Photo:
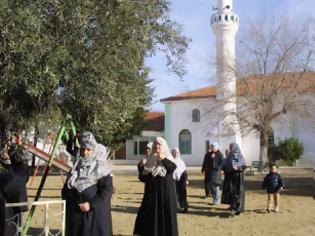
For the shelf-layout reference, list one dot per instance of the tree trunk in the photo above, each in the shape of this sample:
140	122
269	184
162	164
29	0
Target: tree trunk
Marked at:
263	154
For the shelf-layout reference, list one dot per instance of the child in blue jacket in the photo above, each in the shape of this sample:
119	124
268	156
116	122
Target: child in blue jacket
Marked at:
273	183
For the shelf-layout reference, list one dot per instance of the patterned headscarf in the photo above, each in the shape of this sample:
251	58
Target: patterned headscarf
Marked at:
87	140
87	170
236	155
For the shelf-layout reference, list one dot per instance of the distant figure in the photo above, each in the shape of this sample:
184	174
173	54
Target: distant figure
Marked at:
273	183
88	190
157	213
181	180
211	167
233	186
147	154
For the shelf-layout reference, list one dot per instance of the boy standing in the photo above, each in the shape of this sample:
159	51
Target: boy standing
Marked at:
273	183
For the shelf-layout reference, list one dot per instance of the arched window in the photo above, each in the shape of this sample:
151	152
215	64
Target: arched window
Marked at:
185	141
195	115
271	138
226	17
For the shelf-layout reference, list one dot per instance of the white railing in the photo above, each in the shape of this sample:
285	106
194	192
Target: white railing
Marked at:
48	218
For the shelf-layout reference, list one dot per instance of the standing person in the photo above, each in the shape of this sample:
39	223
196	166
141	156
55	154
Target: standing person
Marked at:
273	183
157	213
233	186
147	153
181	180
88	191
13	179
211	167
5	177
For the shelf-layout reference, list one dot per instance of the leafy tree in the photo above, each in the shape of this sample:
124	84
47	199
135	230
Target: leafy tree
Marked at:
85	58
290	150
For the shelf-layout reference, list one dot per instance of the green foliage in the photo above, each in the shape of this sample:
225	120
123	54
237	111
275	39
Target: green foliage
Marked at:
85	58
290	149
273	153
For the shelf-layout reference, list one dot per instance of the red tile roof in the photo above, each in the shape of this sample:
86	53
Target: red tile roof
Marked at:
155	121
199	93
306	84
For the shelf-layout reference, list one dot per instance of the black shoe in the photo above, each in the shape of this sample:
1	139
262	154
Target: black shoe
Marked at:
185	210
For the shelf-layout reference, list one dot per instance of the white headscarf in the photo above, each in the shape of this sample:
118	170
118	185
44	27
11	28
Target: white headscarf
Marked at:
215	145
181	166
87	170
165	151
153	165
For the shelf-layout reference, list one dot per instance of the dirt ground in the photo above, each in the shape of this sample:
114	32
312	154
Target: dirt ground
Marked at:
296	216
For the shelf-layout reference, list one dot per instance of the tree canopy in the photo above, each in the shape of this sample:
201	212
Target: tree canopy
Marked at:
85	58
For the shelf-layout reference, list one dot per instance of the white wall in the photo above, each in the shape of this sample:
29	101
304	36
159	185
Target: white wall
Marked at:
251	147
179	117
145	136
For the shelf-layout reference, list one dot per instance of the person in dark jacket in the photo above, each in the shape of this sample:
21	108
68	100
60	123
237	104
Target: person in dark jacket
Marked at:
233	191
88	191
157	213
14	176
211	168
273	183
5	177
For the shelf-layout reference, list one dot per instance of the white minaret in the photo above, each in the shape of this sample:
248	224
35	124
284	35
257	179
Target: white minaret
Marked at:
225	25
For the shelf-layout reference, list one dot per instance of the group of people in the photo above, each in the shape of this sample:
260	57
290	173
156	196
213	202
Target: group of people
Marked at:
233	189
89	187
233	166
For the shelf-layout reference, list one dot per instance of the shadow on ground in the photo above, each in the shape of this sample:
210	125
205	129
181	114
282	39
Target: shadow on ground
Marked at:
294	184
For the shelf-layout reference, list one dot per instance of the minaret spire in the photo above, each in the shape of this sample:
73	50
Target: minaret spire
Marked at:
225	25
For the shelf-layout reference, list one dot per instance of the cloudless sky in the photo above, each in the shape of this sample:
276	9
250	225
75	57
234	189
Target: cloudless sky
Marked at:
194	16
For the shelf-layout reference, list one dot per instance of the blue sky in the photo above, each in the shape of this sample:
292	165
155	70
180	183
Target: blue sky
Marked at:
194	16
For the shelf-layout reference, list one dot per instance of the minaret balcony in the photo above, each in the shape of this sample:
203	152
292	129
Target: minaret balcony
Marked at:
223	18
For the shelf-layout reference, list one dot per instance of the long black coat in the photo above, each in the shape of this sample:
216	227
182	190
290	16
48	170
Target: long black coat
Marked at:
98	221
157	213
233	190
5	177
181	191
13	190
212	167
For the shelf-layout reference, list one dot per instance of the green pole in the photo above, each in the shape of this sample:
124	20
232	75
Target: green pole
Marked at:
48	165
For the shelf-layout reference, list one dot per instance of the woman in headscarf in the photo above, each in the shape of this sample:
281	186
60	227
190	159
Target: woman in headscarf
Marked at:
88	191
233	185
157	213
181	180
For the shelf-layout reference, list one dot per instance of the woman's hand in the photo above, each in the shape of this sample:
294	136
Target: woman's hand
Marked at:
161	157
85	206
143	162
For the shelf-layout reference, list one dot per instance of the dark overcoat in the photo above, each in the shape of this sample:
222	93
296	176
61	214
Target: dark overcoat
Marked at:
157	213
13	190
96	222
212	167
